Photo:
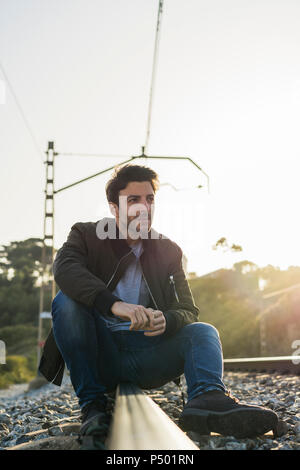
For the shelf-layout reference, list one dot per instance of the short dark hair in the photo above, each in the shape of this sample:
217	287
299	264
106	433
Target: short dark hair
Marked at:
126	174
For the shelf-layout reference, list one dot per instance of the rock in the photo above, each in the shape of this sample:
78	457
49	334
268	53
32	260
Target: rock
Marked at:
50	443
24	438
3	428
236	446
36	383
55	431
250	444
296	428
45	417
5	418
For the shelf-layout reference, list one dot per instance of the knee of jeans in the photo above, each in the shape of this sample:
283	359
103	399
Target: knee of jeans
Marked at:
202	328
64	304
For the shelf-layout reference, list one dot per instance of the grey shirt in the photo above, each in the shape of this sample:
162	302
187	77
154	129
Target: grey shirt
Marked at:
131	288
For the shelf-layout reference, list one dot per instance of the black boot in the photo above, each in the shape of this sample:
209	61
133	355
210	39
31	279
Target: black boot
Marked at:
95	425
216	411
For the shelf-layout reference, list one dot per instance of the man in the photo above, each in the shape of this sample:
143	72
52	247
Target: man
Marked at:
125	312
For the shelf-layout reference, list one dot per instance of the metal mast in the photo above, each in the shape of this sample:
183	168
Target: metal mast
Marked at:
48	240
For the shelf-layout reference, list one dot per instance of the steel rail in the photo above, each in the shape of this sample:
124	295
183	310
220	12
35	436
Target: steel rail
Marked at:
280	364
140	424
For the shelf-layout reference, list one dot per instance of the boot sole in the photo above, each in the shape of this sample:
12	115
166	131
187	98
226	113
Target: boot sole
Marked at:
240	423
95	420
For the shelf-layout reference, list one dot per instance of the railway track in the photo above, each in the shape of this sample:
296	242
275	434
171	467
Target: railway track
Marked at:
140	424
280	364
142	420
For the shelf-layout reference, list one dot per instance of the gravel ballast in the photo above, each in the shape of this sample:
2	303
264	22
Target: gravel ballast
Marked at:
49	417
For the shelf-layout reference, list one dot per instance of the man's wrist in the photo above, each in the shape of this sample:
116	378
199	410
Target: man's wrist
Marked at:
115	305
105	300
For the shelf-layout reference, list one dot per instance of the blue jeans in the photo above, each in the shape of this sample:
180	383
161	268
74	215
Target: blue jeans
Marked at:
99	359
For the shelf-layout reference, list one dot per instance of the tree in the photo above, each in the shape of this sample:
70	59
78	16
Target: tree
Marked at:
21	260
223	243
20	271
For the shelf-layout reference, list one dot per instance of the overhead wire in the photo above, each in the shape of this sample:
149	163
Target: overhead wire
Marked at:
154	67
152	83
25	120
76	154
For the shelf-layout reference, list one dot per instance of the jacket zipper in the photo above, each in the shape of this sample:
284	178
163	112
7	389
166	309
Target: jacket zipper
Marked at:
149	289
62	365
172	282
114	273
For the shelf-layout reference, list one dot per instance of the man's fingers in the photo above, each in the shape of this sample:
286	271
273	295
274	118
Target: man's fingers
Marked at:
155	316
148	312
147	318
139	320
158	327
156	324
154	333
158	321
134	322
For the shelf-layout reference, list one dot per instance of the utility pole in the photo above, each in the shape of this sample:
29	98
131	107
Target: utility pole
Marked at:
48	240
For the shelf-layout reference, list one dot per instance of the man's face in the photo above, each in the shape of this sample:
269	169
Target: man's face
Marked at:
135	202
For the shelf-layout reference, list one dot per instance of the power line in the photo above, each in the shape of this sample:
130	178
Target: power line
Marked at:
154	66
22	113
69	154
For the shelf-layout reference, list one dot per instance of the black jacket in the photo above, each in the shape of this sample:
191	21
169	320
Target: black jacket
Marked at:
87	269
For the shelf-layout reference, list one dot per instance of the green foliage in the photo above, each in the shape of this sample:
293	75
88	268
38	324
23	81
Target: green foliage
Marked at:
22	259
282	323
19	339
20	265
230	299
15	371
225	302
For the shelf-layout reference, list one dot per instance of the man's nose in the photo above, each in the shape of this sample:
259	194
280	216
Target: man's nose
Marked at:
147	206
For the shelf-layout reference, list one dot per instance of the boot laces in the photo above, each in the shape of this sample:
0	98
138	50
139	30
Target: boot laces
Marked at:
229	395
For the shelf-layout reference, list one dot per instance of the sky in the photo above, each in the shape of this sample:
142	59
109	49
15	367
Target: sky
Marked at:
226	95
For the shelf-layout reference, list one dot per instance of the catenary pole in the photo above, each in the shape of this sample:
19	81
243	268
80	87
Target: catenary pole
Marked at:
48	240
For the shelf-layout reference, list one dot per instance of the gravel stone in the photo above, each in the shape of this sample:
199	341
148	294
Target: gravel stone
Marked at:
55	431
49	417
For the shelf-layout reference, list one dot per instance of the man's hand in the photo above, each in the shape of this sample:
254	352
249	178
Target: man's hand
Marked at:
141	318
157	323
137	314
